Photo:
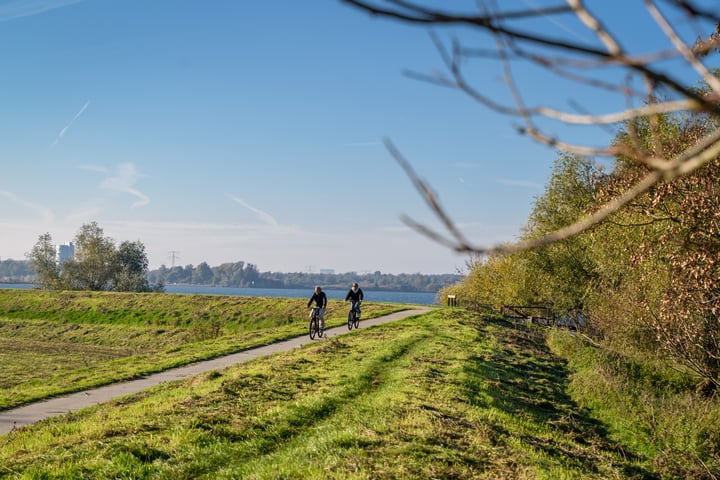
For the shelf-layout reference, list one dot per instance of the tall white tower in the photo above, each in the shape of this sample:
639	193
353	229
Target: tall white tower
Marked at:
64	252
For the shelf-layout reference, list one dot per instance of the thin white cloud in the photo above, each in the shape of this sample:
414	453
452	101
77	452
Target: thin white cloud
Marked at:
44	212
121	180
264	217
67	127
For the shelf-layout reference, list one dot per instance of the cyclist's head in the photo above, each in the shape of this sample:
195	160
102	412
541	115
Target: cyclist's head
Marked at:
318	289
355	285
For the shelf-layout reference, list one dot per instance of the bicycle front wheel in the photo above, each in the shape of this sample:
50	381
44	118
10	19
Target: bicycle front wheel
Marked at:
351	320
313	328
357	321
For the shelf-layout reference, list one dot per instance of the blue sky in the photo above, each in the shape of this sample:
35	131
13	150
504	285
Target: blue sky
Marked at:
230	130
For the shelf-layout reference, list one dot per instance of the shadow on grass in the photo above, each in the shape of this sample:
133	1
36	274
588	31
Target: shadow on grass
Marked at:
522	378
264	435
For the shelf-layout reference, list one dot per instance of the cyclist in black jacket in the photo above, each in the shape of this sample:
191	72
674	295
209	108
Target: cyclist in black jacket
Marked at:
320	300
356	296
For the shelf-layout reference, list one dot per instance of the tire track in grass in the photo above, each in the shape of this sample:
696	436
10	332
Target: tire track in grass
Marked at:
295	430
344	439
252	414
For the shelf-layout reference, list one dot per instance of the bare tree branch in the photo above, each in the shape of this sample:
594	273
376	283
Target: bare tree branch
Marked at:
579	63
613	47
711	80
490	23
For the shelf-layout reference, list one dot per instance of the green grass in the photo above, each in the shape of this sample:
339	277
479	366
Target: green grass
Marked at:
59	342
160	309
647	405
443	395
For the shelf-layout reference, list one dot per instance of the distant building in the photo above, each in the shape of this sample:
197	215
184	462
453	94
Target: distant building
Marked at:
64	252
329	271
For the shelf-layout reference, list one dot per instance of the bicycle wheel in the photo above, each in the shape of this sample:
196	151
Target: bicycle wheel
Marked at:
351	320
321	330
356	320
313	328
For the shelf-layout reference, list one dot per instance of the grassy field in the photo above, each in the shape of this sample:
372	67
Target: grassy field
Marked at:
59	342
448	395
444	395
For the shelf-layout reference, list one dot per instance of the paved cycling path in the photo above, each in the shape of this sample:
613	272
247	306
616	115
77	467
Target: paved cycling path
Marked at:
34	412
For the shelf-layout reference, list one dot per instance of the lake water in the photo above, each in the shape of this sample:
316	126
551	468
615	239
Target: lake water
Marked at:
421	298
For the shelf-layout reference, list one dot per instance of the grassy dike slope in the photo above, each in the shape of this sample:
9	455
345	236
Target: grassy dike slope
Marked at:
443	395
60	342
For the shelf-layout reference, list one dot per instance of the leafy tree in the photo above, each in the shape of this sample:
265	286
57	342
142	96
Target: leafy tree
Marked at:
560	274
42	258
95	263
202	275
687	320
179	274
158	276
494	280
567	267
132	268
229	274
250	274
654	264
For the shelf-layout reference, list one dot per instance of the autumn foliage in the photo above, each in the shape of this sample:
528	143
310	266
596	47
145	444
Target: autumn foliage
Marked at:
649	277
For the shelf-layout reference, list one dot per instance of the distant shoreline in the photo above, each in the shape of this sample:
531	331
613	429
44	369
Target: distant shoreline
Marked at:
325	287
372	295
194	285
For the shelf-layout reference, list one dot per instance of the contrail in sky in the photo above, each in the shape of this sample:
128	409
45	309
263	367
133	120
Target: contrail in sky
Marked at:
551	19
25	8
44	212
67	127
263	216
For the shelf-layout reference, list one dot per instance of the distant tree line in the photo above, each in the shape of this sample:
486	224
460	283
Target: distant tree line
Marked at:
123	273
16	271
237	274
241	274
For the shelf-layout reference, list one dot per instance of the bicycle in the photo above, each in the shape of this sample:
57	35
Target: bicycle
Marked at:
353	316
315	327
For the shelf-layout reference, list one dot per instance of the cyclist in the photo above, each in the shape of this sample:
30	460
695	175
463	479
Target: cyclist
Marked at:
320	300
355	295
